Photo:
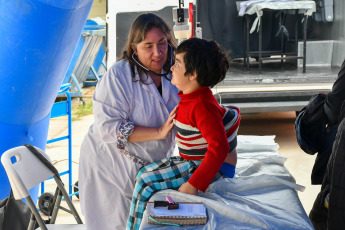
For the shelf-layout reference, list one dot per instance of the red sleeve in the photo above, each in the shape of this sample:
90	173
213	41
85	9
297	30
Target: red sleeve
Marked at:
209	121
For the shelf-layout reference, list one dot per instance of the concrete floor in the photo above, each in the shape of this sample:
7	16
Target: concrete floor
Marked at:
280	124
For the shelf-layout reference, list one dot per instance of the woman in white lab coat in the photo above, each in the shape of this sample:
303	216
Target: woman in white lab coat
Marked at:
133	106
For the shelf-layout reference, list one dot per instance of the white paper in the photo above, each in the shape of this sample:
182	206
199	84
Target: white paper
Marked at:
185	209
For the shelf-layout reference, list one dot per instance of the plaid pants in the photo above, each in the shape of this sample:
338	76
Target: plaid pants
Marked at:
168	173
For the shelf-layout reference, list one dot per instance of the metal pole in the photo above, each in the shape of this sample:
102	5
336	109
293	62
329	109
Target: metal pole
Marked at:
180	11
35	212
296	32
68	200
281	40
244	42
247	40
195	17
260	46
305	41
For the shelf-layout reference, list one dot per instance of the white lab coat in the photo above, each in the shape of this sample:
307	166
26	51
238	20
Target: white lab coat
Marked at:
106	178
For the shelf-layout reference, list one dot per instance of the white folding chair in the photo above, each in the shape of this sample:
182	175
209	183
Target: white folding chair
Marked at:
33	166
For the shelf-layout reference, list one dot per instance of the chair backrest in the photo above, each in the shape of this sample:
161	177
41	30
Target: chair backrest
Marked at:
26	172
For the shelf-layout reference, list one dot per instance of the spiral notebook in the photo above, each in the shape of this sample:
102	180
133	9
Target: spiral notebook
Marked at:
187	214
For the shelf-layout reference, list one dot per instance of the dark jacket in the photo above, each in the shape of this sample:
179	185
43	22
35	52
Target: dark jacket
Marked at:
335	98
334	185
314	135
334	179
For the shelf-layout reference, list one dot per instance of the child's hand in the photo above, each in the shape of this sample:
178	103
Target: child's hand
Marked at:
164	131
188	188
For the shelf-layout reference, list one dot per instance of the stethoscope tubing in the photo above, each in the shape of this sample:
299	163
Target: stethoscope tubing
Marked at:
157	74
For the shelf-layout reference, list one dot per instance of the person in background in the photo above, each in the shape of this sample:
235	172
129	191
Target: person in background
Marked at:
134	106
328	211
206	130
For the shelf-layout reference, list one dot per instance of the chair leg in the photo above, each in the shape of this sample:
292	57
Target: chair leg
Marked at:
32	222
68	200
57	204
36	213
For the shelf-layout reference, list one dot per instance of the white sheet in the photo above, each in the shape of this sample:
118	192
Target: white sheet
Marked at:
261	196
257	7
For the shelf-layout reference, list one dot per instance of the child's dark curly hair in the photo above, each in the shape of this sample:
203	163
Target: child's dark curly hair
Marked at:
206	59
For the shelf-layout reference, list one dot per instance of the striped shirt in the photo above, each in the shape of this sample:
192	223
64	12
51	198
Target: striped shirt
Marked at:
191	143
206	131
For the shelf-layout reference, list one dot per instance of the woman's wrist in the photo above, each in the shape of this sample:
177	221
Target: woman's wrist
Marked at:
142	134
160	133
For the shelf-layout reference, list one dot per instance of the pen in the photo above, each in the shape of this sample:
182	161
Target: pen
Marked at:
172	204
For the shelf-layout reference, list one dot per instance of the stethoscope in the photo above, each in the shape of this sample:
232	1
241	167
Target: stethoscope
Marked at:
158	74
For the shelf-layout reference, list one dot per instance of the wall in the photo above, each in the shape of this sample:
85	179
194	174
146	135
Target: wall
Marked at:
334	31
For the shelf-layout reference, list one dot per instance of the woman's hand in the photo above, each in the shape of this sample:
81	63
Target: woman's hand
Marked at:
188	188
141	133
164	130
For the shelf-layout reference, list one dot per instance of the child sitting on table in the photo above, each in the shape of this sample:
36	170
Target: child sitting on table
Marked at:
206	130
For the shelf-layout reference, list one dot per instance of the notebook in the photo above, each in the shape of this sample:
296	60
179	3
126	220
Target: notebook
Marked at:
187	214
